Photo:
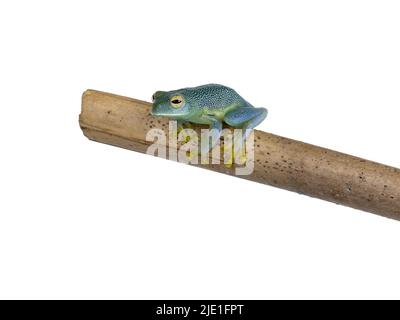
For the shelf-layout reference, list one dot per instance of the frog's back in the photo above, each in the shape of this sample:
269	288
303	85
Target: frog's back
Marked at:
213	96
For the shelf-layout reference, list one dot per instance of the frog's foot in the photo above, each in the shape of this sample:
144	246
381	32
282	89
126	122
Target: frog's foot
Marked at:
233	155
242	156
227	154
239	154
191	156
182	126
200	155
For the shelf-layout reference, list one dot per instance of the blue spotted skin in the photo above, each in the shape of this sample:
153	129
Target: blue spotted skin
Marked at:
210	104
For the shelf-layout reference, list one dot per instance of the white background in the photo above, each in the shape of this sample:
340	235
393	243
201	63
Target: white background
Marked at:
80	219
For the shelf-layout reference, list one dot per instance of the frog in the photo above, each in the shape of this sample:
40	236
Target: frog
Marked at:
210	104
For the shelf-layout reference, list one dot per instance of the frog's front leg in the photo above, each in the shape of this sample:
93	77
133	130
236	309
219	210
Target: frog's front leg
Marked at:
245	118
181	126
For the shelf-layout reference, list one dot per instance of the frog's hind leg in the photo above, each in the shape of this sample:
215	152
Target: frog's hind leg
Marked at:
245	118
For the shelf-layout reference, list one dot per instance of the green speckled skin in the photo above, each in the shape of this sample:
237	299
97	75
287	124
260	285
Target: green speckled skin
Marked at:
209	104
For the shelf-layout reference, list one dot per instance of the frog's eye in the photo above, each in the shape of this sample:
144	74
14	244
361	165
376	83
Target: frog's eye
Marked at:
153	97
176	101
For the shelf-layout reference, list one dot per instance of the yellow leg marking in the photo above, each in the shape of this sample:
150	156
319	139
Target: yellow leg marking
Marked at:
185	135
228	162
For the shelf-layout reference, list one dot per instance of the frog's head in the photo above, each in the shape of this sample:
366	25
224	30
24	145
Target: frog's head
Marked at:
170	104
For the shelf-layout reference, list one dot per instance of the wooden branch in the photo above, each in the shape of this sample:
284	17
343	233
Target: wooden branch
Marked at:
280	162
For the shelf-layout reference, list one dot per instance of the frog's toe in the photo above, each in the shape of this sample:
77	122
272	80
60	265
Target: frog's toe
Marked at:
228	160
192	157
240	155
186	136
228	165
243	158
